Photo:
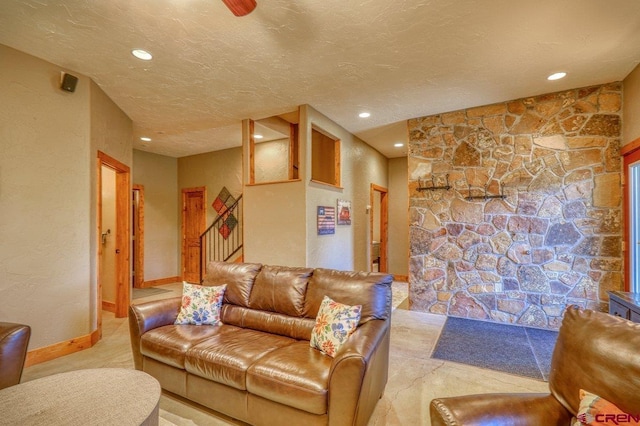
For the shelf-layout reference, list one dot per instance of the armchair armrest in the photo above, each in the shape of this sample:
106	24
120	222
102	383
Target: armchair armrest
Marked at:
147	316
14	340
490	409
359	374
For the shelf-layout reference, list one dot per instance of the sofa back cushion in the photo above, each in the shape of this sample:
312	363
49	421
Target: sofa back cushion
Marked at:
599	353
238	277
280	289
372	290
269	322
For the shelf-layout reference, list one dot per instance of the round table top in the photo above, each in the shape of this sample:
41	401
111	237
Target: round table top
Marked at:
103	396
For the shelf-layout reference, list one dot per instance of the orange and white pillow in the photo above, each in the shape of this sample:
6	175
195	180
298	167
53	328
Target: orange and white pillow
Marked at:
597	411
201	304
335	322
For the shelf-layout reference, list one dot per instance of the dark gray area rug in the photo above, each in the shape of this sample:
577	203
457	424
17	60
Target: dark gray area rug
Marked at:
139	293
511	349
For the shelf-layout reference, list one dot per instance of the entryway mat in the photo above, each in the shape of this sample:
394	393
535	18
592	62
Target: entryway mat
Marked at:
139	293
511	349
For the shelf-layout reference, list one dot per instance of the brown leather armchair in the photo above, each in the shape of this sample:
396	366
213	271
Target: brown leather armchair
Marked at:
595	351
14	339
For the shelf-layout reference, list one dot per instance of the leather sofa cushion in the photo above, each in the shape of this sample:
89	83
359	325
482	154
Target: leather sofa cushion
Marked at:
372	290
170	343
238	277
280	289
225	357
270	322
294	375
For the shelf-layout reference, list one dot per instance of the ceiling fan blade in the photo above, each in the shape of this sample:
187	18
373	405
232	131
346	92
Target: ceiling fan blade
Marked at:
240	7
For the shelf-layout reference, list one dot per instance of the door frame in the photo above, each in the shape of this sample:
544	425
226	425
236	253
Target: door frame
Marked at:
630	154
185	191
138	243
122	235
384	225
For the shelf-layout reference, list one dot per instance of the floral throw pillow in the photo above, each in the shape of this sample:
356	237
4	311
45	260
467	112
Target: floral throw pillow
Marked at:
201	304
335	322
597	411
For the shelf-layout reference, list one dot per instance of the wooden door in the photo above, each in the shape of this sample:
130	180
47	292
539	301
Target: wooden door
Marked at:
193	224
378	199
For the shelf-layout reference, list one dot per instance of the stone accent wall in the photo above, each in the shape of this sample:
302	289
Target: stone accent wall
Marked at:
555	238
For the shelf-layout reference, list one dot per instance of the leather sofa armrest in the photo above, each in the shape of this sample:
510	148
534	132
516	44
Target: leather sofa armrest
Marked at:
147	316
359	374
14	340
489	409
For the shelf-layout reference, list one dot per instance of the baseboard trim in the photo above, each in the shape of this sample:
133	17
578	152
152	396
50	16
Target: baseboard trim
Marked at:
168	280
57	350
401	278
108	306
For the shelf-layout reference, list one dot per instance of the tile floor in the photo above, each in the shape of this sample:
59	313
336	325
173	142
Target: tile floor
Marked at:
414	378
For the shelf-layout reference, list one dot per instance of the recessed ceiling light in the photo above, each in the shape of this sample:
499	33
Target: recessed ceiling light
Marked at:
398	145
145	139
142	54
364	115
257	136
557	76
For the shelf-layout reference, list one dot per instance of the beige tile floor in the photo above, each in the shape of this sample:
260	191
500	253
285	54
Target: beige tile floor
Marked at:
414	378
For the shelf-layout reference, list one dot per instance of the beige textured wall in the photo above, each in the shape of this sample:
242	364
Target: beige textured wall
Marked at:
108	256
631	110
274	218
112	133
272	161
212	170
398	217
159	176
348	248
45	198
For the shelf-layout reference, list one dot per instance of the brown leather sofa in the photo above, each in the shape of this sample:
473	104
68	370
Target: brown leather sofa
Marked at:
14	339
258	366
595	351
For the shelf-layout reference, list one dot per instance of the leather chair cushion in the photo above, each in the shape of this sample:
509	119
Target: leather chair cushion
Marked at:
295	375
170	343
280	289
372	290
238	277
225	357
599	353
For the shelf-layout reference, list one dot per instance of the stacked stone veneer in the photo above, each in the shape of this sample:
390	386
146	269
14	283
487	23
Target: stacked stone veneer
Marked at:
553	241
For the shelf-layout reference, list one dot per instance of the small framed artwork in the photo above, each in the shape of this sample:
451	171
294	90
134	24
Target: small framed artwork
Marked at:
326	220
344	212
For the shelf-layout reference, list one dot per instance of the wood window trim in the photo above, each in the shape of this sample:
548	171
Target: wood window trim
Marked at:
337	182
293	162
630	154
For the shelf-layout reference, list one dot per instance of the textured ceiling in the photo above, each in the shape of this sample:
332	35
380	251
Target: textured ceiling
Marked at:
397	59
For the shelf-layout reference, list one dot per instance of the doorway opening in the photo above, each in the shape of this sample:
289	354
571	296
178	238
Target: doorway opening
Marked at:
193	225
632	218
137	236
378	228
116	239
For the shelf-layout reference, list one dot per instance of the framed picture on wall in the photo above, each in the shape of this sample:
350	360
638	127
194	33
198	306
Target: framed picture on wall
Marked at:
344	212
326	220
